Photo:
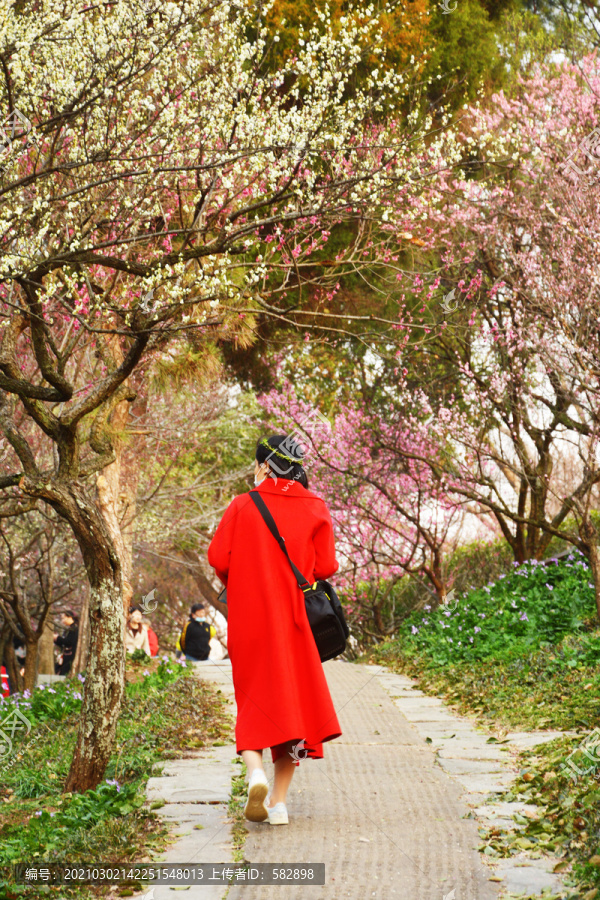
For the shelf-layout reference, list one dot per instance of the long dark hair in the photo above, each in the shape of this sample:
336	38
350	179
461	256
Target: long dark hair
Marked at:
284	461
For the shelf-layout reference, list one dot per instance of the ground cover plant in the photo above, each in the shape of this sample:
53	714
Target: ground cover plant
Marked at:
165	712
534	606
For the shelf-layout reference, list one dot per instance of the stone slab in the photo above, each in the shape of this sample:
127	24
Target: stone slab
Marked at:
209	844
185	813
193	781
438	716
506	810
486	784
197	791
526	877
416	703
439	731
397	677
527	739
400	694
400	689
471	750
471	766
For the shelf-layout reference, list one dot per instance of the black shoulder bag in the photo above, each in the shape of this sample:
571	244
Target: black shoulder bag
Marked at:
323	608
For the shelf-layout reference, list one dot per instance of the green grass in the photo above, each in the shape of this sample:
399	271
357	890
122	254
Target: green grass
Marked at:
533	607
164	712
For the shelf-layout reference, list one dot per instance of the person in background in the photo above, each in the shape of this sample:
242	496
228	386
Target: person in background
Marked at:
136	633
67	642
152	639
195	637
5	687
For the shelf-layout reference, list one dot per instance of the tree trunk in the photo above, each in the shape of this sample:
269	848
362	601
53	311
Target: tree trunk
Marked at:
594	557
103	684
105	676
117	484
31	665
46	650
107	484
378	619
12	667
83	641
5	636
129	476
589	544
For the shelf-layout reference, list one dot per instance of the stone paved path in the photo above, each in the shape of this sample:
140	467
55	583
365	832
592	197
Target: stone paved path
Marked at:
385	810
484	770
377	810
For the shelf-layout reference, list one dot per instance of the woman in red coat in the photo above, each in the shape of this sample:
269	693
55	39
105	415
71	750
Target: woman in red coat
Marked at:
280	688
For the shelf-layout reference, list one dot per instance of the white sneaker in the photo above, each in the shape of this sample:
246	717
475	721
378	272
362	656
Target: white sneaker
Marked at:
258	788
278	814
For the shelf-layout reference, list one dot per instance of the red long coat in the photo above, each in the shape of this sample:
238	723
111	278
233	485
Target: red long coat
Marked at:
280	687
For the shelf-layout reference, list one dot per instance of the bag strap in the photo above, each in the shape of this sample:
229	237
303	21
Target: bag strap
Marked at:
270	523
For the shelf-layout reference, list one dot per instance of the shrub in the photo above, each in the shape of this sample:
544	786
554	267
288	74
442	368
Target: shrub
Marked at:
477	563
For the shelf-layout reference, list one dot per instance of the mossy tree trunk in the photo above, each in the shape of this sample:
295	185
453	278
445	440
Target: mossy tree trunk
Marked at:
105	673
103	690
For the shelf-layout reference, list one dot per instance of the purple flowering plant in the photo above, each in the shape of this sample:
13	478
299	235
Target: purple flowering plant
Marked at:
534	604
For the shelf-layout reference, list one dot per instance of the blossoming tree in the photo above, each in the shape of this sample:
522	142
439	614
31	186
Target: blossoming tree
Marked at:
517	242
168	189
